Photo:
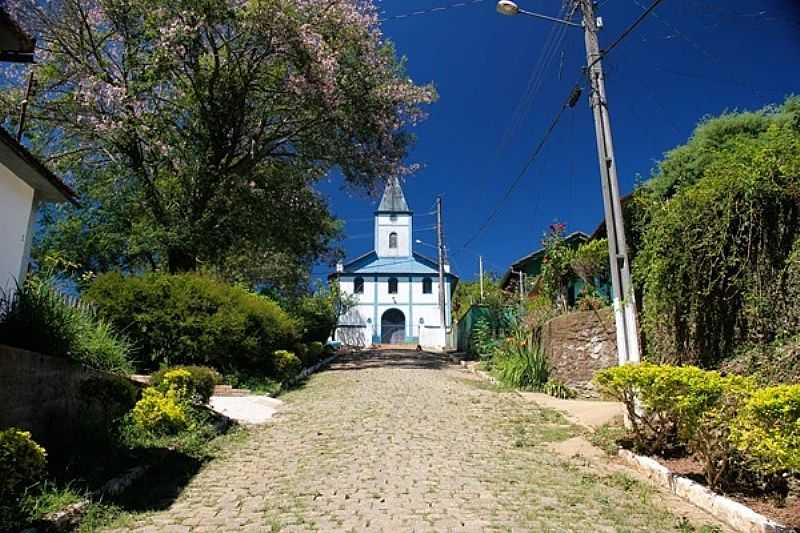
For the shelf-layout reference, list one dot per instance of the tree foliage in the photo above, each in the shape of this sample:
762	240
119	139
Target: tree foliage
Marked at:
469	292
719	252
194	131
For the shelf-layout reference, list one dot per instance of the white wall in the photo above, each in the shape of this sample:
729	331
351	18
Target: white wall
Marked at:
16	211
384	225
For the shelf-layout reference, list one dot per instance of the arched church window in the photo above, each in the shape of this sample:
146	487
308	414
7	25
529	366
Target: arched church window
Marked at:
427	286
358	286
392	285
393	240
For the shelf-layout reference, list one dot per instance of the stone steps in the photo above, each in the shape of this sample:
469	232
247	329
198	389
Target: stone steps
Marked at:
227	390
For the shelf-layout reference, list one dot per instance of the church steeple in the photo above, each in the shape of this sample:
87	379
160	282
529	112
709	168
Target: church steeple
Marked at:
393	223
393	200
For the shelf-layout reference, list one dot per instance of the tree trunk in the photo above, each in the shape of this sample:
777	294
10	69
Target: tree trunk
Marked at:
181	260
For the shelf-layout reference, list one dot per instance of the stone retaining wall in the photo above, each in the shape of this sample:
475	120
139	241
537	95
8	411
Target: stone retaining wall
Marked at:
578	345
42	394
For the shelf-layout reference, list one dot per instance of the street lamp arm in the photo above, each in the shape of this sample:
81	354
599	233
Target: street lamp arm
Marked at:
553	19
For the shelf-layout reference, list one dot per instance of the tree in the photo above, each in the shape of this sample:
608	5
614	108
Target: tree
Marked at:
719	256
469	292
195	130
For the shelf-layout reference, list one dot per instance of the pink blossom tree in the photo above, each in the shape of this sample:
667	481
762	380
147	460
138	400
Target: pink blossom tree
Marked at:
194	130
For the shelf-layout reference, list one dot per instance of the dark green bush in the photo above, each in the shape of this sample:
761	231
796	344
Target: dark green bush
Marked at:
104	401
194	319
37	318
202	383
301	351
287	366
315	351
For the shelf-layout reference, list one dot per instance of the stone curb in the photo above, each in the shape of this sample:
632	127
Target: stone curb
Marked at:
738	516
314	368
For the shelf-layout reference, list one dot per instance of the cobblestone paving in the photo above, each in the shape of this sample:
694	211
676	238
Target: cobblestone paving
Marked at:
394	441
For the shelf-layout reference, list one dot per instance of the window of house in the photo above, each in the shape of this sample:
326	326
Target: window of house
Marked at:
427	286
358	286
392	285
393	240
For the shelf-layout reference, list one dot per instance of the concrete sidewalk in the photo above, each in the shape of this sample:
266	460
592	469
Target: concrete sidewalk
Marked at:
245	409
588	413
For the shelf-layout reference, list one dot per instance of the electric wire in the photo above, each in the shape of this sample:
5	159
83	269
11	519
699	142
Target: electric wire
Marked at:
534	155
627	31
432	10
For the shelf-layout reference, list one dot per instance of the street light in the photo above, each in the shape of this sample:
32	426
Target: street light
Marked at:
623	296
509	8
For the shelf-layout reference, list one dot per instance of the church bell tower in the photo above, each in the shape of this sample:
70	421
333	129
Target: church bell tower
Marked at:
393	234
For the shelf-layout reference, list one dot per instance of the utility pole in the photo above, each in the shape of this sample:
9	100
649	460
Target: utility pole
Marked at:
521	287
623	295
24	107
480	272
440	247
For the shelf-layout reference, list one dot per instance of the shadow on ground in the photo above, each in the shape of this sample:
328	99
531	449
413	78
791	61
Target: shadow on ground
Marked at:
389	358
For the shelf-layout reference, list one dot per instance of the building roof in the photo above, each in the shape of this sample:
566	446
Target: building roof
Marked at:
370	263
32	171
393	200
576	236
15	45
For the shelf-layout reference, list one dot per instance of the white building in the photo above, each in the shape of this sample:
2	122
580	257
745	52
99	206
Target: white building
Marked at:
24	184
397	288
24	181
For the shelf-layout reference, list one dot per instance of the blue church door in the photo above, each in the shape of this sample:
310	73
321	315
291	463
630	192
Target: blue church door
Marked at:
393	327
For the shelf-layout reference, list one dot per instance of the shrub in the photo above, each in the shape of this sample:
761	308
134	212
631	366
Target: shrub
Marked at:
202	320
161	412
558	389
200	382
301	351
287	365
652	428
670	406
767	429
315	351
318	313
37	318
519	362
22	464
104	400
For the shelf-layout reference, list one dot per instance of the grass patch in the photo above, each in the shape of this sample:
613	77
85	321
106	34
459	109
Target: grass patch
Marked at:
608	436
540	426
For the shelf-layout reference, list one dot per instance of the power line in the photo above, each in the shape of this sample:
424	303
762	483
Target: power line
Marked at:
553	42
569	102
431	10
627	31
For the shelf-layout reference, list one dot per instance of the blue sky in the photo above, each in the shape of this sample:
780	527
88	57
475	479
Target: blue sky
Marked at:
689	59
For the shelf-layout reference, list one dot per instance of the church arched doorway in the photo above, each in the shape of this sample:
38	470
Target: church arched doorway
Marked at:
393	327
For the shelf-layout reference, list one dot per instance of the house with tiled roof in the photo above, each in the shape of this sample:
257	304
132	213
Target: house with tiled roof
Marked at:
396	288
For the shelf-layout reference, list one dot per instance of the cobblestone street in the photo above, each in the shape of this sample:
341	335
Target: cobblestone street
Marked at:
396	441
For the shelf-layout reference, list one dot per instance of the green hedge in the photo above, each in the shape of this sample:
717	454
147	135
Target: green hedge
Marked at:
725	420
193	319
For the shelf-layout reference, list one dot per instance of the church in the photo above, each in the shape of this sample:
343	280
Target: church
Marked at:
397	289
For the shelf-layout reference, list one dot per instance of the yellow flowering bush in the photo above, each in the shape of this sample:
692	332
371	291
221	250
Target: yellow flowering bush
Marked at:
767	429
22	462
161	411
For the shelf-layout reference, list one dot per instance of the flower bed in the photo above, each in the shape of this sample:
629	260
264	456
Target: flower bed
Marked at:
722	431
